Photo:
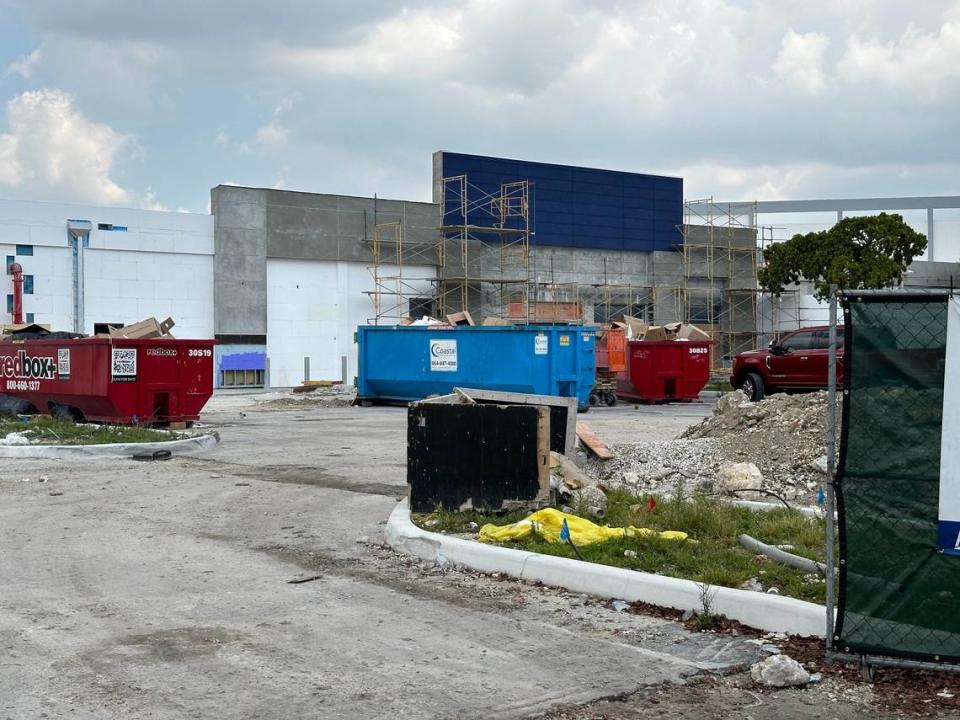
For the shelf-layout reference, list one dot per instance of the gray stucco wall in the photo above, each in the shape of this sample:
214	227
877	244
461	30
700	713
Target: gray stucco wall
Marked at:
253	224
239	261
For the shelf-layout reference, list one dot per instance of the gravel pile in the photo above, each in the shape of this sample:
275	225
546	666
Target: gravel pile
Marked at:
778	442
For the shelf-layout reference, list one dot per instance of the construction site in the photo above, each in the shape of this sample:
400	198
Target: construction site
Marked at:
389	458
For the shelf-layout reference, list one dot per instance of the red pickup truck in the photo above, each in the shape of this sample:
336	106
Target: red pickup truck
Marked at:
797	360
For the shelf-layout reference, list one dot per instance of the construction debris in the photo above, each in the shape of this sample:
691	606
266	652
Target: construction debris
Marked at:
778	443
145	329
779	671
590	440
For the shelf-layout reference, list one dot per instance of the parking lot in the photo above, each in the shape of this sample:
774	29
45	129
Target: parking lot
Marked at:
162	589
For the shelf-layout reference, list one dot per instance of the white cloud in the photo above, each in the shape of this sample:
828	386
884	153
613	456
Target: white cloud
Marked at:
149	201
916	61
274	133
221	139
52	151
410	43
24	66
800	60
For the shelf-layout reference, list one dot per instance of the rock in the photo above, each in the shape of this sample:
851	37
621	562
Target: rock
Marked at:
731	401
591	499
431	523
819	465
772	649
362	540
630	553
738	476
619	605
773	591
752	584
687	615
472	525
779	671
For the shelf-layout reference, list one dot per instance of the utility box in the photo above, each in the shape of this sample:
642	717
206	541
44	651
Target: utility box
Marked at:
404	363
664	371
114	380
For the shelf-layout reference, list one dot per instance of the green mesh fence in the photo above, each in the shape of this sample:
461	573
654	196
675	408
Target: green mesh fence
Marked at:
898	596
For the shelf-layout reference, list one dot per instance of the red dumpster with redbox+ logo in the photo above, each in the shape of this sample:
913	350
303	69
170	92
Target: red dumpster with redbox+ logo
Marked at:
659	371
115	380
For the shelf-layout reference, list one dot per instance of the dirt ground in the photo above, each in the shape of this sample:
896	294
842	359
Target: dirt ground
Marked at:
252	582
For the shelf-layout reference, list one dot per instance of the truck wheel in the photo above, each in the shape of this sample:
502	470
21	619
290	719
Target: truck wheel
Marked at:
752	386
611	399
594	399
583	408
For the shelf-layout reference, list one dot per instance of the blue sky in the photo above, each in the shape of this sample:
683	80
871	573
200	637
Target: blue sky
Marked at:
117	102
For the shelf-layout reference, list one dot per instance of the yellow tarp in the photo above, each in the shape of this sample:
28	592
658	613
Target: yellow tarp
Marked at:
547	523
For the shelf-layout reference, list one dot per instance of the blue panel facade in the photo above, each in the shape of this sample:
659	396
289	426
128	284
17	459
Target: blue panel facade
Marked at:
573	206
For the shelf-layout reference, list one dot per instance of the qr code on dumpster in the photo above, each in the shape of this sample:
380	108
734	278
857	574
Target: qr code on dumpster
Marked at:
63	362
124	362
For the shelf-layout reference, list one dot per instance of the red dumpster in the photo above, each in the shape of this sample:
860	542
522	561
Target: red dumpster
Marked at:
666	370
115	380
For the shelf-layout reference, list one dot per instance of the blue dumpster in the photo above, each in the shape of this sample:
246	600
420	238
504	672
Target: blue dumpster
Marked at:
403	363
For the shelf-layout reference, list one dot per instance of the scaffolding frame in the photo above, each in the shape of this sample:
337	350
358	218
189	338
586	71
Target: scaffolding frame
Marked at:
484	249
722	253
395	288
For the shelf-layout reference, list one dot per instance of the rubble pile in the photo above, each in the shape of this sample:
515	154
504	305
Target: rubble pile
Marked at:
776	445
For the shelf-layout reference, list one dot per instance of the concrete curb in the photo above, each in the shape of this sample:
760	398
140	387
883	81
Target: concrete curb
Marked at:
773	613
187	446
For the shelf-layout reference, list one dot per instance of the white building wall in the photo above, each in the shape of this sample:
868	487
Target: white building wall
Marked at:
161	265
313	310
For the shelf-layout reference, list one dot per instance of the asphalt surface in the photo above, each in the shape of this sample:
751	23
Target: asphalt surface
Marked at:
162	590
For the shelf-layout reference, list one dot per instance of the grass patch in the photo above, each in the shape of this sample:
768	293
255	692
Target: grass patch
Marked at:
49	431
715	559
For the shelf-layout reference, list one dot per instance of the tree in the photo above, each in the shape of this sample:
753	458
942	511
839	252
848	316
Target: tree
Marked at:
857	252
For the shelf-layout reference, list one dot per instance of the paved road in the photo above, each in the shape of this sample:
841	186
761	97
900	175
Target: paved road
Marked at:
161	590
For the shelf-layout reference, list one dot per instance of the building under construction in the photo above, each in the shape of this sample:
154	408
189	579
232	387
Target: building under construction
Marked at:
282	279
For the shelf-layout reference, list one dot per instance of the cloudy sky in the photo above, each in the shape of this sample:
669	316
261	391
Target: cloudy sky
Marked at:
149	104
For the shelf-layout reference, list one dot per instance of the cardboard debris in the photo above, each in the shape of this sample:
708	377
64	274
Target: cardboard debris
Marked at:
654	333
666	332
460	318
145	329
692	332
635	327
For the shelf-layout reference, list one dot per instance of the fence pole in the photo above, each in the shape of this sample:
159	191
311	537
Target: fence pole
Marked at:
831	463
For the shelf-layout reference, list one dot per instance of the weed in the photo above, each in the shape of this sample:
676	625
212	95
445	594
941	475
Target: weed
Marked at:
49	431
712	557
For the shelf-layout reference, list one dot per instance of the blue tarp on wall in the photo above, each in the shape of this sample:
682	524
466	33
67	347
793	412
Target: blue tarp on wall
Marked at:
577	207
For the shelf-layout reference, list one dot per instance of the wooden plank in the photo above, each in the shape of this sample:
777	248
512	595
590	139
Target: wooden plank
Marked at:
593	443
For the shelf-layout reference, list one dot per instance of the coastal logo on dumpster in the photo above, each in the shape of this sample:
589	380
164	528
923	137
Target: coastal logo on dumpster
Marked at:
24	372
443	355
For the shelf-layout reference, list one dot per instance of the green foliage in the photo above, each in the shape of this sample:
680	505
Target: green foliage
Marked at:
49	431
714	559
856	253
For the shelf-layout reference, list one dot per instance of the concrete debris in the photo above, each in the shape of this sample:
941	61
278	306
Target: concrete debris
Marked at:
752	584
779	671
687	615
738	476
619	605
782	437
590	500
